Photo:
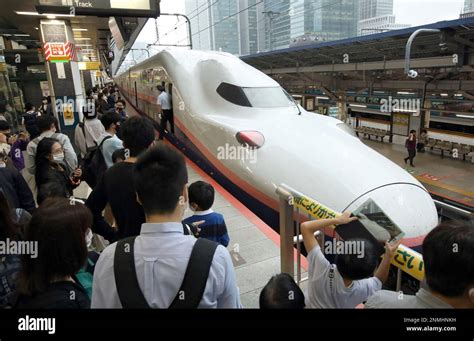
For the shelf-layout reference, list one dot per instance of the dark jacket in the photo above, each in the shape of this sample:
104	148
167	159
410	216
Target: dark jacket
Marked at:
16	189
410	144
57	296
51	174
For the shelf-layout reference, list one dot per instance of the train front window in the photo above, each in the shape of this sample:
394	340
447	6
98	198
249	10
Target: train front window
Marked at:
274	97
261	97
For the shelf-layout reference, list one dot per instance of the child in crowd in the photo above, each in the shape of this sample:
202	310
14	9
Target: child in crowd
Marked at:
353	278
211	225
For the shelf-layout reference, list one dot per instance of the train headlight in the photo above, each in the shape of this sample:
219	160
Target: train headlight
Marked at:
253	139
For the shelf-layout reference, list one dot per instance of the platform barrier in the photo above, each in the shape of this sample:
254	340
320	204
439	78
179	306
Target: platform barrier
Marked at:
295	205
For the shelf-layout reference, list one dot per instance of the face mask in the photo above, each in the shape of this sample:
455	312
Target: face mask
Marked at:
5	148
89	238
58	157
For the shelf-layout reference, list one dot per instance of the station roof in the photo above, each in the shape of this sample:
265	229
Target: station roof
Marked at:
458	35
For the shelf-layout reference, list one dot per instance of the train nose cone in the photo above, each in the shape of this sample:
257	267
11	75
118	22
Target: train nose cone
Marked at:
408	206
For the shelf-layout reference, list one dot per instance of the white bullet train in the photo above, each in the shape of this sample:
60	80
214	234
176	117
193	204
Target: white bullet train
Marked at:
220	104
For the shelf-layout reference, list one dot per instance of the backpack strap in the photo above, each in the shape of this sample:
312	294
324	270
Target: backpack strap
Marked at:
102	142
128	289
194	283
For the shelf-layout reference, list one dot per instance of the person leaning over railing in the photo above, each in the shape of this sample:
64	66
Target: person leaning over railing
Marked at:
351	280
448	255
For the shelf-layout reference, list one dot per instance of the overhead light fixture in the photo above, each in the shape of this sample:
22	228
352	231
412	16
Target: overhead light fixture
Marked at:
322	97
458	95
21	35
465	116
83	44
36	28
7	35
82	38
51	16
444	95
358	106
44	14
405	93
80	29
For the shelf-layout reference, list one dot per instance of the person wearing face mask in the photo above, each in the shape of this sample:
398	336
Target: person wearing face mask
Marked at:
46	108
111	122
47	126
18	144
29	120
120	109
50	167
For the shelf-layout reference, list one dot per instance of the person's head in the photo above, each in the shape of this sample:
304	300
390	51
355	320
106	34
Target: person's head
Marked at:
282	292
413	132
119	155
448	255
49	150
138	134
44	100
45	123
120	105
105	93
5	128
160	88
160	177
424	131
357	265
51	190
111	122
29	107
59	227
201	196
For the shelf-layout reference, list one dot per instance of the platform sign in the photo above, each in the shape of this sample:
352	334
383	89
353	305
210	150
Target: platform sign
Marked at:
406	259
105	8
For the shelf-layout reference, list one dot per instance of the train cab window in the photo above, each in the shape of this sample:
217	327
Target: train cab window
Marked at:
233	94
258	97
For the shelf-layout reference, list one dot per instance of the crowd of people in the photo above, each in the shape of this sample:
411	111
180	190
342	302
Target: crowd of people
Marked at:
149	255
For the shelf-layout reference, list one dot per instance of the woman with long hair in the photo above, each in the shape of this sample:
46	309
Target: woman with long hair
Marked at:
50	167
48	280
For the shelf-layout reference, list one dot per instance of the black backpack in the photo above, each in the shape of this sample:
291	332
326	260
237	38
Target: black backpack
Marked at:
194	282
93	164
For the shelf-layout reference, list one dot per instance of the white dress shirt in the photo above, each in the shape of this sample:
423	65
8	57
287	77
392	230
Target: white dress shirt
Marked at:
162	254
164	101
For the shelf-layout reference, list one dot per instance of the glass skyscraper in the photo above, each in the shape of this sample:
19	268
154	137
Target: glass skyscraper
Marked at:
375	8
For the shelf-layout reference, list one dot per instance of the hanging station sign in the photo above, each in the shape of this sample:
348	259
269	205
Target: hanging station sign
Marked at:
103	8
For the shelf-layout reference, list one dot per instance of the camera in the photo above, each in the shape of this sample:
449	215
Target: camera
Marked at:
412	74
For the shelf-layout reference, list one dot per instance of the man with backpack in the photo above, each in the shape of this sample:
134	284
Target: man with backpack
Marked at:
116	188
111	122
88	133
162	267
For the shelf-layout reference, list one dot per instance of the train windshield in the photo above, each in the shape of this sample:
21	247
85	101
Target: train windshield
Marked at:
259	97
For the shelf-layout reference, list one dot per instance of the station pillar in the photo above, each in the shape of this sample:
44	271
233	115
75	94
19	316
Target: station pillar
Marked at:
64	77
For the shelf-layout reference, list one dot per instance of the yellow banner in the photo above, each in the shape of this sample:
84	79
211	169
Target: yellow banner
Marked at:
406	259
89	65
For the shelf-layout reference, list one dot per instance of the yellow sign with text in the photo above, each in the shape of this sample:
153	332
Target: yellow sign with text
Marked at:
89	65
406	259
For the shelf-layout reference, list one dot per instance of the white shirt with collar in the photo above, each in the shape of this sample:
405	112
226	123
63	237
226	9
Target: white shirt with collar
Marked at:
162	254
164	101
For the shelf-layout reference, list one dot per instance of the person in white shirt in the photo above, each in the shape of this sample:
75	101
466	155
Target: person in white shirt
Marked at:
88	133
165	110
448	256
161	252
349	282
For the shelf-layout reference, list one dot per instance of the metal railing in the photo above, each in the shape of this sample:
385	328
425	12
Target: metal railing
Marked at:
294	205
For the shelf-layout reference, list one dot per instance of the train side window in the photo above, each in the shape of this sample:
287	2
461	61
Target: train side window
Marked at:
233	94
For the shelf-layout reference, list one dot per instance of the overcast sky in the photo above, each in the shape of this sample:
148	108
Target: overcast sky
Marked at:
413	12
